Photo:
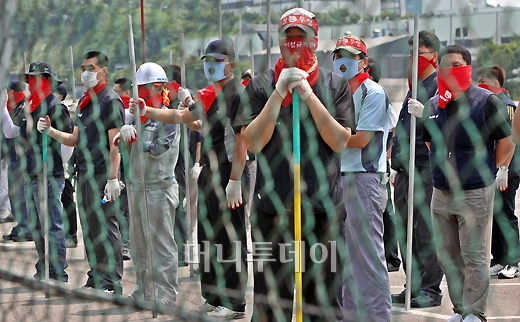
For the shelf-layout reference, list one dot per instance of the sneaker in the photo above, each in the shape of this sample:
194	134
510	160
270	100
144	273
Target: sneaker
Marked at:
22	238
204	308
166	302
424	300
108	291
71	243
391	267
508	272
126	255
495	269
455	318
224	313
471	318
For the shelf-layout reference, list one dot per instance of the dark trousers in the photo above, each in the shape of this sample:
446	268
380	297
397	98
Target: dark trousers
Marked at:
389	238
222	242
69	209
273	256
426	271
124	220
181	224
505	246
100	233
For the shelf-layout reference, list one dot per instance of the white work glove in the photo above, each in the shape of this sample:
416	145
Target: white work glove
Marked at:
137	104
44	124
195	171
183	94
415	107
303	88
393	174
128	133
234	194
289	75
112	189
501	179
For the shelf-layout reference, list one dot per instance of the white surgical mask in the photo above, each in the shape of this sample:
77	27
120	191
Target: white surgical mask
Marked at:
89	79
350	64
214	71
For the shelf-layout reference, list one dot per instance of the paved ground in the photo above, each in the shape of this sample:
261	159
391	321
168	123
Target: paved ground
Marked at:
21	303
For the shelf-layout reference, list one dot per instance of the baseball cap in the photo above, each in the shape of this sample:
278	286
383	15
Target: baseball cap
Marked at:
301	18
352	44
246	72
219	49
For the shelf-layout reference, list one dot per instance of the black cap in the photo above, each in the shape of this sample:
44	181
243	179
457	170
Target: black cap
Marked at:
62	90
15	83
41	68
219	49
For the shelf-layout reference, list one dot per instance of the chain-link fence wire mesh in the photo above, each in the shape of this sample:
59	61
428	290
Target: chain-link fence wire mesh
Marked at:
102	26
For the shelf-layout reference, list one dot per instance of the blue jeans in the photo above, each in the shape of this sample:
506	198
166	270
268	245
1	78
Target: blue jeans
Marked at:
18	200
57	243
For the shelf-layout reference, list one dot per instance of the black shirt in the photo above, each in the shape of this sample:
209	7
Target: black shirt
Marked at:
320	166
105	111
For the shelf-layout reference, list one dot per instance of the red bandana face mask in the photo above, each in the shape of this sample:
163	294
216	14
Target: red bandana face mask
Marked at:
292	47
13	98
40	88
422	64
495	90
452	82
126	101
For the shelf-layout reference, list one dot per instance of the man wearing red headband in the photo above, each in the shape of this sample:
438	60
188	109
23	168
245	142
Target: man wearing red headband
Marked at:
504	238
468	132
426	271
265	122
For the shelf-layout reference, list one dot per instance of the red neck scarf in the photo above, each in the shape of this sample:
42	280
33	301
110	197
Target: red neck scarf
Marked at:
208	95
422	65
452	82
39	89
245	82
13	98
303	50
86	96
355	81
126	101
495	90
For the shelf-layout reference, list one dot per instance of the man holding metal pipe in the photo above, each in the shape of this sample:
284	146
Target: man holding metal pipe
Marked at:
221	229
100	114
266	123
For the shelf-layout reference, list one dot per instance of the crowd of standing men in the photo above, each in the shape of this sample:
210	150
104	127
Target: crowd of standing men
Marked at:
350	133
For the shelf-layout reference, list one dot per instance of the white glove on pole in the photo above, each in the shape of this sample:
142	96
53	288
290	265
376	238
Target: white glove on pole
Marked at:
112	189
195	171
303	86
234	194
128	133
501	179
183	94
44	124
138	104
289	75
415	108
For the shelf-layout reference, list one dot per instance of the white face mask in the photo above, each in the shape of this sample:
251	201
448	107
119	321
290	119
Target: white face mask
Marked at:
89	79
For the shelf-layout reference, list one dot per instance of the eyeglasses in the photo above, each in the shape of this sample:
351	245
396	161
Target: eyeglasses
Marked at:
420	52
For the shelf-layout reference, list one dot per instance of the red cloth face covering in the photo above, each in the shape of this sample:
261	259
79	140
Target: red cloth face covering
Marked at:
13	99
355	81
422	64
39	89
452	82
86	96
152	98
495	90
307	61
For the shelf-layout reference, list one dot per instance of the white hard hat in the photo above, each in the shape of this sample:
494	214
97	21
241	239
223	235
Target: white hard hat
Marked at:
150	73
